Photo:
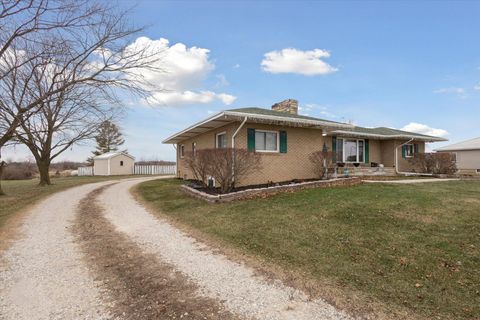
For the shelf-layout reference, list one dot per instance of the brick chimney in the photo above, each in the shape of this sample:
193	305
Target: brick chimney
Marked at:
288	106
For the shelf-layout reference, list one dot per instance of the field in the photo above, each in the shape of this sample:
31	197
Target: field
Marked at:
403	251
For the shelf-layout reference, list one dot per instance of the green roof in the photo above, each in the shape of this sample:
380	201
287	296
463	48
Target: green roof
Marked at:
268	112
388	132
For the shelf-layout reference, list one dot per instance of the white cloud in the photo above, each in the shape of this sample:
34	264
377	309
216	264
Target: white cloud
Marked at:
476	87
236	66
188	97
450	90
319	109
291	60
221	81
424	129
182	73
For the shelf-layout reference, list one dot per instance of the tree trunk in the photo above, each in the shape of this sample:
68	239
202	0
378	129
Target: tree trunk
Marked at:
1	175
44	171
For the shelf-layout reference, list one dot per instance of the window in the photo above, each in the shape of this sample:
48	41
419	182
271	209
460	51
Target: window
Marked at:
266	141
221	140
409	150
478	171
350	150
194	148
121	163
182	151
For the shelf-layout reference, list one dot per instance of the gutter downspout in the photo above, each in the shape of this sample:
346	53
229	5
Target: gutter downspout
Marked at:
233	148
396	162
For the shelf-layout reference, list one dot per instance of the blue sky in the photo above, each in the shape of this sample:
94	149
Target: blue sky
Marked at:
376	64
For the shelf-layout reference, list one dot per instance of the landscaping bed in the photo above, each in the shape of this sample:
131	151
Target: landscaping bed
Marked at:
213	195
404	251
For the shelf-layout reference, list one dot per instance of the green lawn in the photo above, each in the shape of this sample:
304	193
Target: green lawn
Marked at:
407	247
22	193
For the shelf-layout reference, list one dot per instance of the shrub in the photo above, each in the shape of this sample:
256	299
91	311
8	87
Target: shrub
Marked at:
322	161
19	171
226	165
435	163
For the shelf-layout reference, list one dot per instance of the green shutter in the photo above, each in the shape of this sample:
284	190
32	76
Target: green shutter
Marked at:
404	152
334	148
251	139
367	151
415	149
283	141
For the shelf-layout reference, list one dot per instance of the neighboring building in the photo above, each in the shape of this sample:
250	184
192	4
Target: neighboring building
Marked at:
467	155
113	164
286	141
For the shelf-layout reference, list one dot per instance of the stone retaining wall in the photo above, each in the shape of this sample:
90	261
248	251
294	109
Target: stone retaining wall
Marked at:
269	191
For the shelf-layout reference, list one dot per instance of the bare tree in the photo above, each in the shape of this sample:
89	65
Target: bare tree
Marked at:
322	160
24	24
435	163
90	48
67	118
200	164
229	166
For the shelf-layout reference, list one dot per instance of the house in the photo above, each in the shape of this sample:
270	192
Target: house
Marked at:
286	140
467	155
113	163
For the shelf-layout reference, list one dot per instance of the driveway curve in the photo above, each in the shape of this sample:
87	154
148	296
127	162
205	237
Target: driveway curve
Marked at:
56	270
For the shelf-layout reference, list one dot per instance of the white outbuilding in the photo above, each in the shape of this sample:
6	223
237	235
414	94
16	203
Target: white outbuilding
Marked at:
113	164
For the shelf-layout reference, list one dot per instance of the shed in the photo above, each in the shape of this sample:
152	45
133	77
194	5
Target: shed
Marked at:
113	163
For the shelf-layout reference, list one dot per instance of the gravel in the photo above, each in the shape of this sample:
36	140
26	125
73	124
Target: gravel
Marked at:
241	291
42	275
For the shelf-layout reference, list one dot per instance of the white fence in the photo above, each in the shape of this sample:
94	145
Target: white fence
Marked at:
154	169
85	171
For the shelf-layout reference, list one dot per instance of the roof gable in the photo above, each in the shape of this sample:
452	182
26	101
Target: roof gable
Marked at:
472	144
112	154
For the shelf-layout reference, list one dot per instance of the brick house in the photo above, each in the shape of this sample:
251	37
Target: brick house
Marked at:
286	140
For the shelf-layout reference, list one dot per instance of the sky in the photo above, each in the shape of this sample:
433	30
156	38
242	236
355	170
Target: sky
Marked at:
412	65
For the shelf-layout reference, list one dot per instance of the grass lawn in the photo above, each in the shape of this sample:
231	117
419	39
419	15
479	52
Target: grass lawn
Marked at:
411	248
22	193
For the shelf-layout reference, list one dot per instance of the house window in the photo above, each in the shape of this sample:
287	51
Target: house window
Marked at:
266	141
121	163
478	171
350	150
182	150
221	140
194	148
409	150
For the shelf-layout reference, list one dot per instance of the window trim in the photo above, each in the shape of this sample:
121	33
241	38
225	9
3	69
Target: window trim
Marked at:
478	171
182	151
278	141
406	150
358	149
216	140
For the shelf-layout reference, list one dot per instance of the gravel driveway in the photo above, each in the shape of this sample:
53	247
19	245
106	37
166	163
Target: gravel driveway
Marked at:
60	270
41	275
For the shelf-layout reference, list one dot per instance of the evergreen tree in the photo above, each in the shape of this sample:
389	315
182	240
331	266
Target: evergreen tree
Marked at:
109	138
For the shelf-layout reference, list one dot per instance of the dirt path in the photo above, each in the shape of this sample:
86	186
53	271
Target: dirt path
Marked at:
241	292
140	286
